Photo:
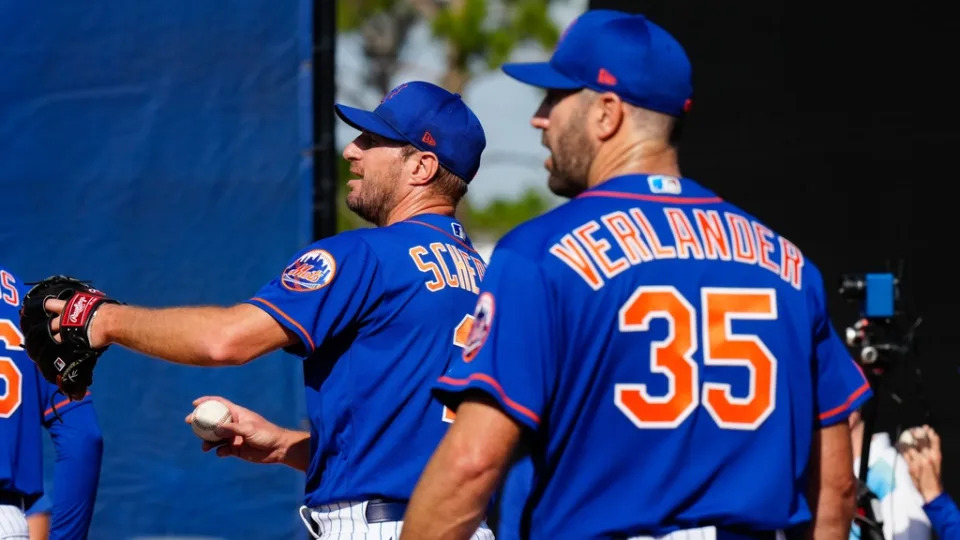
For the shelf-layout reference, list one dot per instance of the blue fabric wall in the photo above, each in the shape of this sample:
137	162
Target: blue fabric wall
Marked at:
158	149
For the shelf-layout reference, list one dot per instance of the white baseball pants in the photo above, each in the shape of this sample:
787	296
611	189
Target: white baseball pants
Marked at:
345	521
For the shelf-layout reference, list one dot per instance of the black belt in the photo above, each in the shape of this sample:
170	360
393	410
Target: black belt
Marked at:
11	498
736	534
382	510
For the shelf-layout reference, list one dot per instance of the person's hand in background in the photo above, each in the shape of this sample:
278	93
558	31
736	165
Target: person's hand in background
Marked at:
924	459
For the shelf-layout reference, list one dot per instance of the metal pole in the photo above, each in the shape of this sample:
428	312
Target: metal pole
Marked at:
325	156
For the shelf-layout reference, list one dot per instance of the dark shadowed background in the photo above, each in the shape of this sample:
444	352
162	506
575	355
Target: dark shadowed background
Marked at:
836	124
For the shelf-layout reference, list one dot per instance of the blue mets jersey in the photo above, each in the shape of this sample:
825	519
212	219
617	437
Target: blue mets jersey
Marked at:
26	400
671	356
380	314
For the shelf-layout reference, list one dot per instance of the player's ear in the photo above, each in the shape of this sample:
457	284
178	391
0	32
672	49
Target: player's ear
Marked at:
606	115
424	167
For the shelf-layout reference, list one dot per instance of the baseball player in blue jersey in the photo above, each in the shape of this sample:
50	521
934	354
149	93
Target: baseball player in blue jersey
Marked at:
663	359
27	402
377	314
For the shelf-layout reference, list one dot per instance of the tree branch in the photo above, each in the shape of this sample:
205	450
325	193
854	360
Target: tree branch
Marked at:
426	8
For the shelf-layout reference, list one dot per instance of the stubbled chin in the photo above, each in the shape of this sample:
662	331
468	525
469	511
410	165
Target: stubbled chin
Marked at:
563	186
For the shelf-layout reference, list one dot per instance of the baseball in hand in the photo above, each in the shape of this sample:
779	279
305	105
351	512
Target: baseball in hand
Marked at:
910	439
906	439
207	417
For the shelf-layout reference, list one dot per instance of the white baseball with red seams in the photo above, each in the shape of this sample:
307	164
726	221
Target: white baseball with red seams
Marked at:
207	417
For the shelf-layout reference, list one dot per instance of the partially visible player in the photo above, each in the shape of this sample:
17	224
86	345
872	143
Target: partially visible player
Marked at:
899	505
664	358
376	314
924	457
27	402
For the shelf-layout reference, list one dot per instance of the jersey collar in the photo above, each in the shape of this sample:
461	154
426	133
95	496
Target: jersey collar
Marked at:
654	185
445	224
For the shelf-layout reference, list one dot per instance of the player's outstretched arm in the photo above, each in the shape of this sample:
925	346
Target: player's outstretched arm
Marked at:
253	438
199	336
452	494
832	491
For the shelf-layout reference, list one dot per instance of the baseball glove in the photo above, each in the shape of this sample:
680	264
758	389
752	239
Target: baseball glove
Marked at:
68	363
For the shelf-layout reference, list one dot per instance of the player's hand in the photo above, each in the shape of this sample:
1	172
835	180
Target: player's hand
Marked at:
924	463
248	435
95	334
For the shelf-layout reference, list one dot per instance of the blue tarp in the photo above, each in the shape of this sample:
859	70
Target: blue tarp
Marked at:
159	150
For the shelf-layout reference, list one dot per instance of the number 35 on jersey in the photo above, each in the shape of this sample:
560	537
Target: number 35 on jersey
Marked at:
710	331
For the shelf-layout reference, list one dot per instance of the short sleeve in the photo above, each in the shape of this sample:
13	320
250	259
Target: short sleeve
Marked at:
43	505
841	387
510	353
323	290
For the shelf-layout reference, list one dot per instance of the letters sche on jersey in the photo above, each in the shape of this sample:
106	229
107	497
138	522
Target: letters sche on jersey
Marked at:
482	319
314	270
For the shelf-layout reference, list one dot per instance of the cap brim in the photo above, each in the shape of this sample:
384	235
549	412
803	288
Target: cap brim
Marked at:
367	121
541	74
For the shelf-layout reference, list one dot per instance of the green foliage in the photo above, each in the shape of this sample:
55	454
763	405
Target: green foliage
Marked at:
501	214
467	23
473	34
351	14
484	31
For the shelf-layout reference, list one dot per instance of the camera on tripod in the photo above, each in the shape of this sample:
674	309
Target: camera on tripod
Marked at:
877	341
881	335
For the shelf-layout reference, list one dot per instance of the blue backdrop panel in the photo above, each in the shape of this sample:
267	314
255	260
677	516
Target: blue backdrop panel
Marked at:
157	148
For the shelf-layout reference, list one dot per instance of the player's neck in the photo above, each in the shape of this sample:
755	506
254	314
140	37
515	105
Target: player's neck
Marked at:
408	208
635	158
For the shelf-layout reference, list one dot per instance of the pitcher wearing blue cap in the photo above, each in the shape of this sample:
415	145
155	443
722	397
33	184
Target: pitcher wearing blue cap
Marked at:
375	314
646	360
414	119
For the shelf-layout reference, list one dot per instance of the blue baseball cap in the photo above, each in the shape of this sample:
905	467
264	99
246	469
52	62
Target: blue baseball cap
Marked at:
613	51
431	119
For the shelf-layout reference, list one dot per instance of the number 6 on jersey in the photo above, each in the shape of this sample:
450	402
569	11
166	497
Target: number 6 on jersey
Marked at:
672	357
12	396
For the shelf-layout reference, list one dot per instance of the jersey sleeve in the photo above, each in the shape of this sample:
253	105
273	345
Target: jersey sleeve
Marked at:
510	353
79	449
944	516
40	506
323	290
841	387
